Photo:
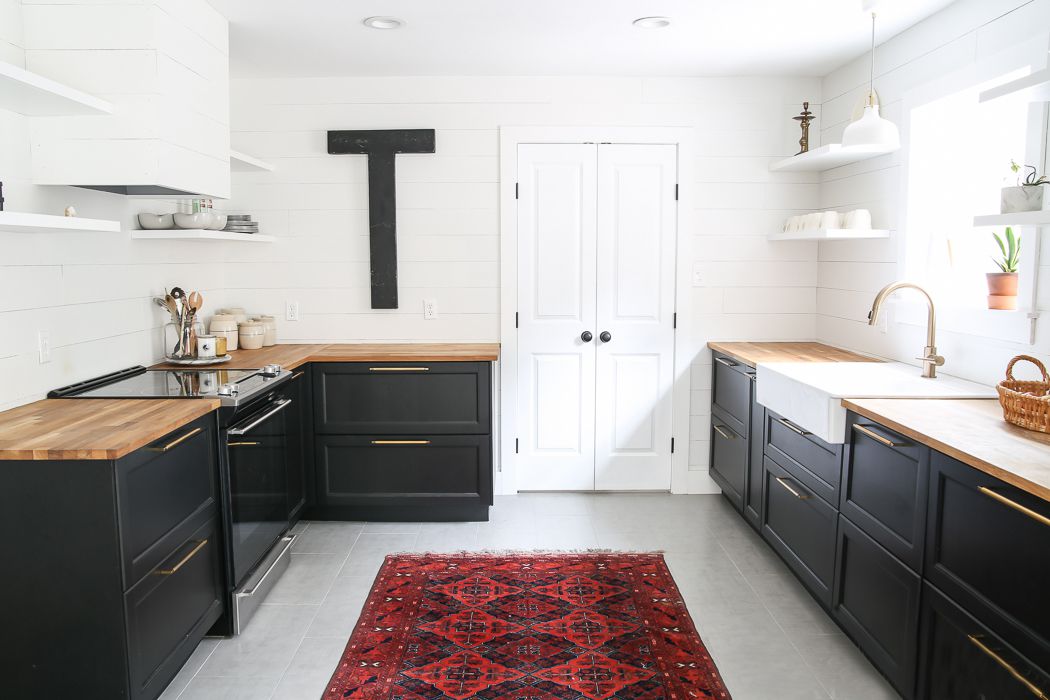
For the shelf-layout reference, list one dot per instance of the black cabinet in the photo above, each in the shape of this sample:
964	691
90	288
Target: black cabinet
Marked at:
876	600
401	441
962	659
885	484
731	390
753	482
735	416
299	424
988	548
729	457
117	568
815	463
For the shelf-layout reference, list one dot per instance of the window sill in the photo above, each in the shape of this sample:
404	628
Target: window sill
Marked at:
1012	326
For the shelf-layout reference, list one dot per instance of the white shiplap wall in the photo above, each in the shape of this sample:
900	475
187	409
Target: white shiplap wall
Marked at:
448	223
850	272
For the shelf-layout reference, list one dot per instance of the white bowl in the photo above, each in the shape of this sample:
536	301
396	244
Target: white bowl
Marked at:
193	221
218	221
156	222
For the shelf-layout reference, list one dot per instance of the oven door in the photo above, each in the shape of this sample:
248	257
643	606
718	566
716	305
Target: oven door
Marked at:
257	450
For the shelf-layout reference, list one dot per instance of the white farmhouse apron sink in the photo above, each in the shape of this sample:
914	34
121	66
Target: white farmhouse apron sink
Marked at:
810	394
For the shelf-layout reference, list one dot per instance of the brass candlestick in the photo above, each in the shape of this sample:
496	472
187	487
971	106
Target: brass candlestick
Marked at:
804	119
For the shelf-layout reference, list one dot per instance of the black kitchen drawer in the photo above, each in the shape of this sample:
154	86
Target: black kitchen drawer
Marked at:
384	398
801	528
168	612
165	491
816	463
962	659
876	599
988	548
431	477
885	485
756	440
731	391
729	456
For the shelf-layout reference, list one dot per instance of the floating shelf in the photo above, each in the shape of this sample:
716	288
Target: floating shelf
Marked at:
829	234
197	234
243	162
36	96
1023	218
22	222
1035	86
833	155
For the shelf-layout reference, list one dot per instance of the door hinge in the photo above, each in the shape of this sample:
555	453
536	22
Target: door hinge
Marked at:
674	320
515	445
515	319
676	192
672	445
516	190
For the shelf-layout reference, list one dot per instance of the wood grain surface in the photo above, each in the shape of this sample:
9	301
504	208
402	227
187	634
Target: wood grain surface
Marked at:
293	356
753	353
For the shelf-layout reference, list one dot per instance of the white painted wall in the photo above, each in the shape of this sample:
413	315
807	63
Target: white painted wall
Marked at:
850	272
448	219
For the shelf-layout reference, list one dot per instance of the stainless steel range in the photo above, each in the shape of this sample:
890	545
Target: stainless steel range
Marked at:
259	450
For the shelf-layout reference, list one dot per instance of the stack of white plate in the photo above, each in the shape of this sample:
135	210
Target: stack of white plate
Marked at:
241	223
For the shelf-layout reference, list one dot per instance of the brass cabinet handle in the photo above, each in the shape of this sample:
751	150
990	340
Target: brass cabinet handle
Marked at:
176	441
797	494
297	375
242	444
1034	689
1038	517
876	437
722	430
724	361
182	562
791	426
398	369
400	442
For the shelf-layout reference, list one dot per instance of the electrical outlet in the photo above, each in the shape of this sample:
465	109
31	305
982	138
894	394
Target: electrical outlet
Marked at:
430	309
291	311
43	346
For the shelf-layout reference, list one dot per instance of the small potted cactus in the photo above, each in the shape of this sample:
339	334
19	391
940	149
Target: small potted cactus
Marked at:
1027	195
1002	286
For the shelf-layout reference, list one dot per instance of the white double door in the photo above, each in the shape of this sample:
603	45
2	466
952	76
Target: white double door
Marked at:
596	260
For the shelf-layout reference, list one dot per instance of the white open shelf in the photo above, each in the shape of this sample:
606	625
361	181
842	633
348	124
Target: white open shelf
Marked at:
833	155
245	163
1023	218
1035	86
200	235
23	221
829	234
36	96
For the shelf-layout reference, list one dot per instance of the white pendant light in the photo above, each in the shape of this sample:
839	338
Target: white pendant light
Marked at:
871	129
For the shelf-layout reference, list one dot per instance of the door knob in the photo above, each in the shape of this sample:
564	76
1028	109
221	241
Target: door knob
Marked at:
605	336
586	336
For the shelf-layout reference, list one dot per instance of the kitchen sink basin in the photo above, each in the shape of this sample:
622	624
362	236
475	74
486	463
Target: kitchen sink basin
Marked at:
810	394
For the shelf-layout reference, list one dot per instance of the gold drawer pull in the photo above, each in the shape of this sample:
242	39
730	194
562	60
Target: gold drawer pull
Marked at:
400	442
242	444
1038	517
797	494
297	375
176	441
1006	665
724	361
725	432
791	426
182	562
876	437
398	369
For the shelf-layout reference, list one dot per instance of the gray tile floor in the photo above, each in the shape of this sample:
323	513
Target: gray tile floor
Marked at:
768	637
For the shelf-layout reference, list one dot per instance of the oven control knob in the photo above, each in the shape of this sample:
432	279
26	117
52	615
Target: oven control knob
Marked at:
271	370
227	390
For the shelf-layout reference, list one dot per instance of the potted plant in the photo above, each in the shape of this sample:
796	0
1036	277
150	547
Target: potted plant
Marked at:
1002	286
1027	195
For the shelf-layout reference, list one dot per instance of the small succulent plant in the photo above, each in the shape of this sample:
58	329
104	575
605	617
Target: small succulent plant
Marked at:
1031	179
1011	250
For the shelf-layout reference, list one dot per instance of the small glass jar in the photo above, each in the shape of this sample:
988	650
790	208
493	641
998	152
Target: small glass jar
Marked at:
251	335
180	343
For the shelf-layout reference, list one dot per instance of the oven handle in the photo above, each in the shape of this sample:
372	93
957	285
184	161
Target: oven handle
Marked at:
281	405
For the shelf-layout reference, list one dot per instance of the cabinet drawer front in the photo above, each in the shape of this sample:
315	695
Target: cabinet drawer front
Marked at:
989	555
729	454
168	612
961	659
393	470
885	487
876	598
801	527
731	391
164	492
817	463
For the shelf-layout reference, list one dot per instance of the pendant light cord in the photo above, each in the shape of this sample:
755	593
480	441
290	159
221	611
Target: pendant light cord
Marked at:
871	75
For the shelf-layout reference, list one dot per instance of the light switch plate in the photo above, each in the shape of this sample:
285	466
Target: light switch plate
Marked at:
430	309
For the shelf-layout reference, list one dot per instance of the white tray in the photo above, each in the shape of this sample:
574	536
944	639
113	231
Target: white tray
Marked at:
198	361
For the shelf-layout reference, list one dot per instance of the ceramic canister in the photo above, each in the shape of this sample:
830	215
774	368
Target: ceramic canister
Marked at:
269	324
225	325
251	335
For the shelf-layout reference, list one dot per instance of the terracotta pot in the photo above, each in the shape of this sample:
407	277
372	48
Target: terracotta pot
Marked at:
1003	284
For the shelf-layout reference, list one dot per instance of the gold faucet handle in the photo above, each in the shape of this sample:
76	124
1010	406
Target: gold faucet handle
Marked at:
933	359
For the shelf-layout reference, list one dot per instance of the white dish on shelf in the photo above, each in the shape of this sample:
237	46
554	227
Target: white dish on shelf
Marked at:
156	222
198	361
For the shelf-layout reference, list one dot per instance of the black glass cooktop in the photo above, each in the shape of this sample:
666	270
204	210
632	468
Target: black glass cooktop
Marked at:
169	384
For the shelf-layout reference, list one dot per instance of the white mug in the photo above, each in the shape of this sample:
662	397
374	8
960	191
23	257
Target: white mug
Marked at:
858	219
830	220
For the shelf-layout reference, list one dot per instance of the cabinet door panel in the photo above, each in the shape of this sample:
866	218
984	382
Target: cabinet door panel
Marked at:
731	391
729	454
816	463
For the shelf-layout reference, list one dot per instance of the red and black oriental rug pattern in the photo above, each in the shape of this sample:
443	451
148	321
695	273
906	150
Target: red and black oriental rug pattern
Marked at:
525	627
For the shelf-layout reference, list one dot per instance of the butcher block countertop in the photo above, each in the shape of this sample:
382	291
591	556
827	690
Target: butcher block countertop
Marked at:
92	428
753	353
972	431
292	356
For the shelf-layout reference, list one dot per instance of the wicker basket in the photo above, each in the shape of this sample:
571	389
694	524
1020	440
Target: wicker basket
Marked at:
1026	404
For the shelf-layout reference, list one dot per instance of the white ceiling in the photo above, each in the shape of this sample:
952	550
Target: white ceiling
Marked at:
298	38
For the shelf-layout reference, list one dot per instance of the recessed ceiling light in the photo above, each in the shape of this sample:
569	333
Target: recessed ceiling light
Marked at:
383	22
652	22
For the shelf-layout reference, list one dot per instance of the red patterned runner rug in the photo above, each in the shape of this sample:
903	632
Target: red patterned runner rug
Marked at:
525	627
